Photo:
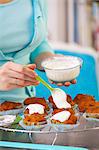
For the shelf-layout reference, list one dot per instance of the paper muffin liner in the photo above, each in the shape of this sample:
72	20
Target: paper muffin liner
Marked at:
50	107
75	108
40	126
90	118
8	122
49	112
63	127
46	116
12	112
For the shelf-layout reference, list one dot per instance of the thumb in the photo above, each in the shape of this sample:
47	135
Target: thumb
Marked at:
31	66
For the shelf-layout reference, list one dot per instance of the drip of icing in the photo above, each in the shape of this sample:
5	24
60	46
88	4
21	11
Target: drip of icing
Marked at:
59	98
61	116
35	108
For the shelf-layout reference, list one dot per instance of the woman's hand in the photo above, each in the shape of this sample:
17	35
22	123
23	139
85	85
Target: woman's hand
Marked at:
14	75
65	83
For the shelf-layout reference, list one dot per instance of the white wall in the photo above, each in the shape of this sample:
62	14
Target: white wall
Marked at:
56	19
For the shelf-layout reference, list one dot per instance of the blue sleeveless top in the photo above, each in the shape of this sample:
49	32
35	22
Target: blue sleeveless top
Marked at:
22	39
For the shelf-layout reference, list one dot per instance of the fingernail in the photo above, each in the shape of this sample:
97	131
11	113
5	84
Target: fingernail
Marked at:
73	81
67	84
59	84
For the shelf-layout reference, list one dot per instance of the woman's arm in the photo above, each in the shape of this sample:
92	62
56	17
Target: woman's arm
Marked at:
42	52
41	58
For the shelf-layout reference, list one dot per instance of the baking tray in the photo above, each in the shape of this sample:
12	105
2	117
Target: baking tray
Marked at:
85	135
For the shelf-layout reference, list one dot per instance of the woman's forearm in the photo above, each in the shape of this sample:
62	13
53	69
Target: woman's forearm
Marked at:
5	1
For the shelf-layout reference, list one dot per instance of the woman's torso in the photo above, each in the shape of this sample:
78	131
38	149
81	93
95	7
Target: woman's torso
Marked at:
16	25
24	36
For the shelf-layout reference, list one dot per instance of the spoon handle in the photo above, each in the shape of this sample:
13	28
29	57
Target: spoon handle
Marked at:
44	83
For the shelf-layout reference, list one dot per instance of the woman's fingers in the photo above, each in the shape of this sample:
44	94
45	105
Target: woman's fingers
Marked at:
13	66
51	81
74	81
27	83
16	81
17	75
18	71
67	83
21	69
29	72
14	74
31	66
11	86
22	83
59	84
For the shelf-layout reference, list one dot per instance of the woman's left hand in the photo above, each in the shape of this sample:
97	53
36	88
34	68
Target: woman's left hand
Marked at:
65	83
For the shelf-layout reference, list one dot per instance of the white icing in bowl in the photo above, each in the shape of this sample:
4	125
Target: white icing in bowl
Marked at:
64	68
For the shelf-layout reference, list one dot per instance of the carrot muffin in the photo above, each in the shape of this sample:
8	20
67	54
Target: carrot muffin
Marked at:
10	106
92	114
84	102
93	110
37	100
63	117
34	114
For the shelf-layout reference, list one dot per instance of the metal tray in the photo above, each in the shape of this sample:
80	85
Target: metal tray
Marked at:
85	135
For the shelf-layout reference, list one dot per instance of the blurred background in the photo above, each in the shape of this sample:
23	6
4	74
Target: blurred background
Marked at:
74	21
73	25
73	29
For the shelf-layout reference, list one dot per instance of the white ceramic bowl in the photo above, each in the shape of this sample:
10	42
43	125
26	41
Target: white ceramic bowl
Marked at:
62	68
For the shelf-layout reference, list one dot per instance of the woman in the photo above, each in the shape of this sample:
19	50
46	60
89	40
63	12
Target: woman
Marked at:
22	41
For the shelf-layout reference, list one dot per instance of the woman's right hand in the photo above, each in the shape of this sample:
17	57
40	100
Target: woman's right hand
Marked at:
14	75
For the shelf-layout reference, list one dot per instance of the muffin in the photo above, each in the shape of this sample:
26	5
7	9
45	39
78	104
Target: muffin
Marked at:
34	114
93	110
37	100
63	117
84	102
9	107
34	119
92	114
